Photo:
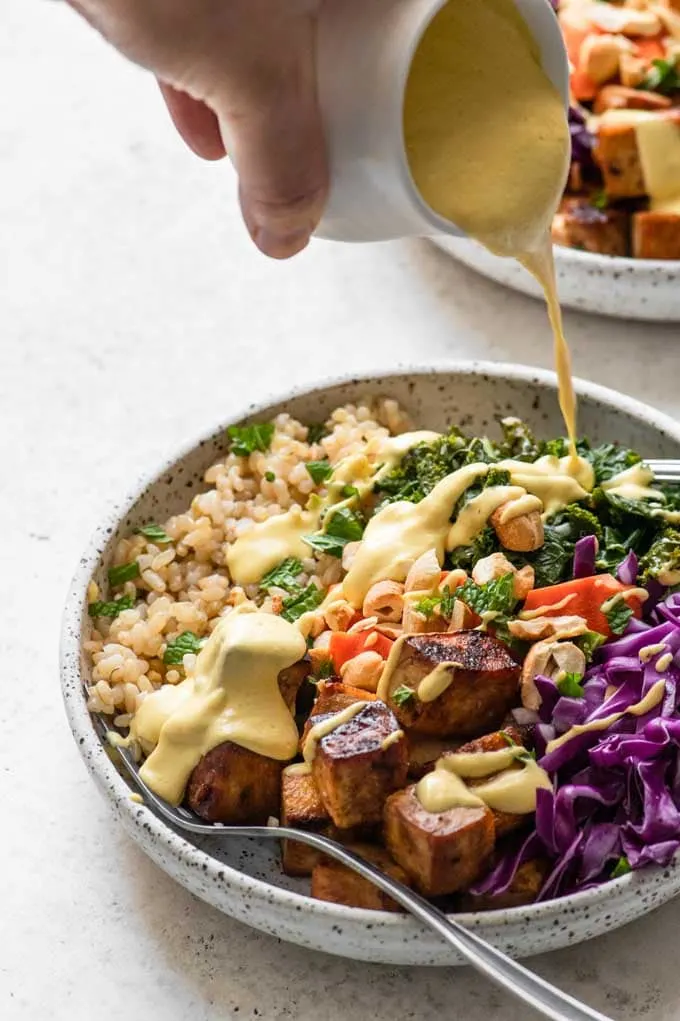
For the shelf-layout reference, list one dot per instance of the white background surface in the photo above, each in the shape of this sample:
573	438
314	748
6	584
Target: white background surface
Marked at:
133	311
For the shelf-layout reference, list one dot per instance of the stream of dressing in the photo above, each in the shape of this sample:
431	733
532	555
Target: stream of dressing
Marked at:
488	144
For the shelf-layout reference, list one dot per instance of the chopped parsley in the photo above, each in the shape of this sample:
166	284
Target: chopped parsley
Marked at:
344	525
154	533
621	868
599	199
123	572
111	609
246	439
185	644
324	669
324	543
618	616
301	601
320	471
662	77
508	738
496	596
570	685
442	603
284	575
403	695
589	642
315	431
270	476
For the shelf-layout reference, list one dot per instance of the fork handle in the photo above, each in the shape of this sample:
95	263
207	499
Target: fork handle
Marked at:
494	964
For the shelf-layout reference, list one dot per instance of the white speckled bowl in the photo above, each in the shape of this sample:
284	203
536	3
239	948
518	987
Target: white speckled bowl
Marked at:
243	878
608	285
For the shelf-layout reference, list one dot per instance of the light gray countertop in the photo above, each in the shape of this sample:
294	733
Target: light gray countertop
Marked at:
134	312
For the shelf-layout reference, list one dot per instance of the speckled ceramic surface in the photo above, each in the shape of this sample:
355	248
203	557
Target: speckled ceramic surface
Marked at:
242	878
625	288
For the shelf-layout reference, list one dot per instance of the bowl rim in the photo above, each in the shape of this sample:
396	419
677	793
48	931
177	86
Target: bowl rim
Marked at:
118	790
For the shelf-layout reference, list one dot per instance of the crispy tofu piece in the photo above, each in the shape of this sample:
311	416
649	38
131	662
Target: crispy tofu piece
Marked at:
484	686
424	751
334	882
656	235
443	852
290	682
233	785
580	225
616	154
333	697
303	809
524	889
359	763
505	822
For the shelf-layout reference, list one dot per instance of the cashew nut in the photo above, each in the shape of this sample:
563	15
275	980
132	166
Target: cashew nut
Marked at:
384	600
524	581
363	671
462	618
339	615
424	573
497	565
632	70
549	659
547	627
599	56
523	533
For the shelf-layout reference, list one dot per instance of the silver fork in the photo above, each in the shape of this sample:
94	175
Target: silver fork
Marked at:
666	469
490	962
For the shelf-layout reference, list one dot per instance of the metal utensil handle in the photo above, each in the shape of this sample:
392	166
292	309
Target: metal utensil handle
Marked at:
493	963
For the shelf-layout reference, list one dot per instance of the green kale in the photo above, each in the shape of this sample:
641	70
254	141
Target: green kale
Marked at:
618	616
423	466
111	609
284	575
483	545
662	556
154	533
552	561
621	868
185	644
497	596
403	695
301	601
518	440
570	685
123	572
662	77
320	471
248	438
609	459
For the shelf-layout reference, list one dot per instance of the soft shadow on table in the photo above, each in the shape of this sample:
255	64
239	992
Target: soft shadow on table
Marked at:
219	960
630	352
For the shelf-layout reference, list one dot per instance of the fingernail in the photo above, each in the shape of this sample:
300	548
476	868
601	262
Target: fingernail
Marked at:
280	245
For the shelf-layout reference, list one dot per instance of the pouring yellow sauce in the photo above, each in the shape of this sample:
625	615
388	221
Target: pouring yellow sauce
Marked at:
232	696
488	146
514	779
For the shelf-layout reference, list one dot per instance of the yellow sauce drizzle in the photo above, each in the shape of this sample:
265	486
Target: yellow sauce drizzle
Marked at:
540	611
437	681
556	481
646	653
633	483
663	662
474	515
269	542
297	769
514	779
232	696
327	726
391	739
651	699
525	504
621	597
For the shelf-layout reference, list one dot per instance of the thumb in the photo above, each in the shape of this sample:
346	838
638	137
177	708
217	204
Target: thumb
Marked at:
271	126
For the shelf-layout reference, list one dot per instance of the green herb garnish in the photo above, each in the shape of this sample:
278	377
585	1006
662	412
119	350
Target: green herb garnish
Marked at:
599	199
319	471
662	77
570	685
123	572
324	669
618	616
154	533
246	439
344	525
621	868
270	476
111	609
185	644
315	432
508	738
301	602
403	695
428	605
589	642
497	596
284	575
324	543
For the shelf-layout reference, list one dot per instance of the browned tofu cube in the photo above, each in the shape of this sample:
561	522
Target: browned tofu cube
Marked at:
616	153
290	682
423	752
359	763
333	697
484	683
303	809
233	785
580	225
335	882
524	889
443	852
505	822
656	235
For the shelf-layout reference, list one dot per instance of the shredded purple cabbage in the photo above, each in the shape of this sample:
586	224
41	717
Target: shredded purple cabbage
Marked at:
627	571
582	140
585	552
617	789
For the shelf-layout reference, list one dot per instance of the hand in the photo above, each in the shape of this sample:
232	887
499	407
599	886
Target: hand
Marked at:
237	75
